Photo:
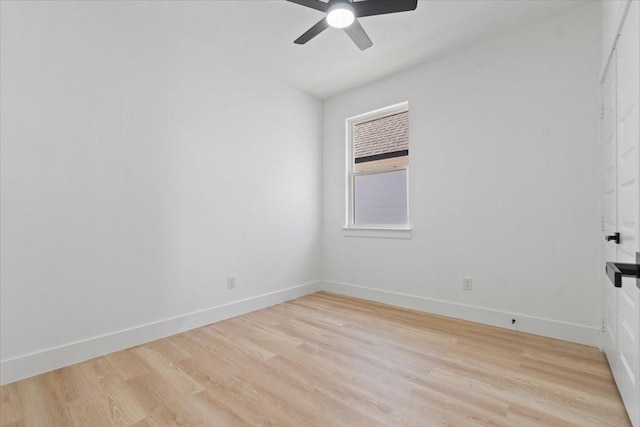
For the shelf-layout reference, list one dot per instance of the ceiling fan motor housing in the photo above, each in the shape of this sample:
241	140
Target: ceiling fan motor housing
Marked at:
340	13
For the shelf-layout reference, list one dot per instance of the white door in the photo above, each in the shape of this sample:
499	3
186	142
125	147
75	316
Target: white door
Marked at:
627	368
609	91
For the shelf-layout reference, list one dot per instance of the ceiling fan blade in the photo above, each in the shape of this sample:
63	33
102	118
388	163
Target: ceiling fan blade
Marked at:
381	7
312	32
313	4
358	35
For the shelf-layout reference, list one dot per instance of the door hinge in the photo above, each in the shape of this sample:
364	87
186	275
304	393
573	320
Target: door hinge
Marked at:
602	325
602	111
601	223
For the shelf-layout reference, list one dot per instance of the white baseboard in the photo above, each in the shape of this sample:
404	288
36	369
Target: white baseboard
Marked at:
53	358
572	332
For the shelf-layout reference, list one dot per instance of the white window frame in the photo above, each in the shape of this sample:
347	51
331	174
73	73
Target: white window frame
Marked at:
371	230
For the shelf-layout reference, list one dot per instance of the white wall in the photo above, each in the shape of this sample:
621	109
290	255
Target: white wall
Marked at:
141	167
503	183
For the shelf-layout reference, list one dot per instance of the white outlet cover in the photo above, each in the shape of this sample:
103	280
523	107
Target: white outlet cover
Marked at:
231	282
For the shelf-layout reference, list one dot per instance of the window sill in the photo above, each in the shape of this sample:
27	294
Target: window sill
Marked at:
376	232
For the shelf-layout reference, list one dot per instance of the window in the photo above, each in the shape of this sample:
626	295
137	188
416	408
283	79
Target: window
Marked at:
378	161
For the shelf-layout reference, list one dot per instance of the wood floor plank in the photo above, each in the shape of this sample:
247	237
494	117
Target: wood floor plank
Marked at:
11	404
327	360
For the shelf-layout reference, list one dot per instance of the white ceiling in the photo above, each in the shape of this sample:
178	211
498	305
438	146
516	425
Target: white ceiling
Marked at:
260	34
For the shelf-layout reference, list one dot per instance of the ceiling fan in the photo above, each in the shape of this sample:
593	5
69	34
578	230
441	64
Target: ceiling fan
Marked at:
345	13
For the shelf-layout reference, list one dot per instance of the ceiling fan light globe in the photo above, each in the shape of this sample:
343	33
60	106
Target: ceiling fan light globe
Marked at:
340	15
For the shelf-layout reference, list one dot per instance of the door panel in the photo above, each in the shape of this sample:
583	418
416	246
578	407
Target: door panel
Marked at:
626	373
628	328
627	141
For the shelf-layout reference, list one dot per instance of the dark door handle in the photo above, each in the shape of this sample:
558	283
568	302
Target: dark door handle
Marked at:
617	270
615	237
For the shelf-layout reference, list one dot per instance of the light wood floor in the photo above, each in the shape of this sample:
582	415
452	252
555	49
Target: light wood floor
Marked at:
328	360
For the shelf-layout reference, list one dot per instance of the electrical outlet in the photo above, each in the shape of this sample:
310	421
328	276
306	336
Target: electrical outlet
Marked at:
466	283
231	282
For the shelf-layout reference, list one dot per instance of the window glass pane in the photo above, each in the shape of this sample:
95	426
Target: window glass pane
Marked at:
380	198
